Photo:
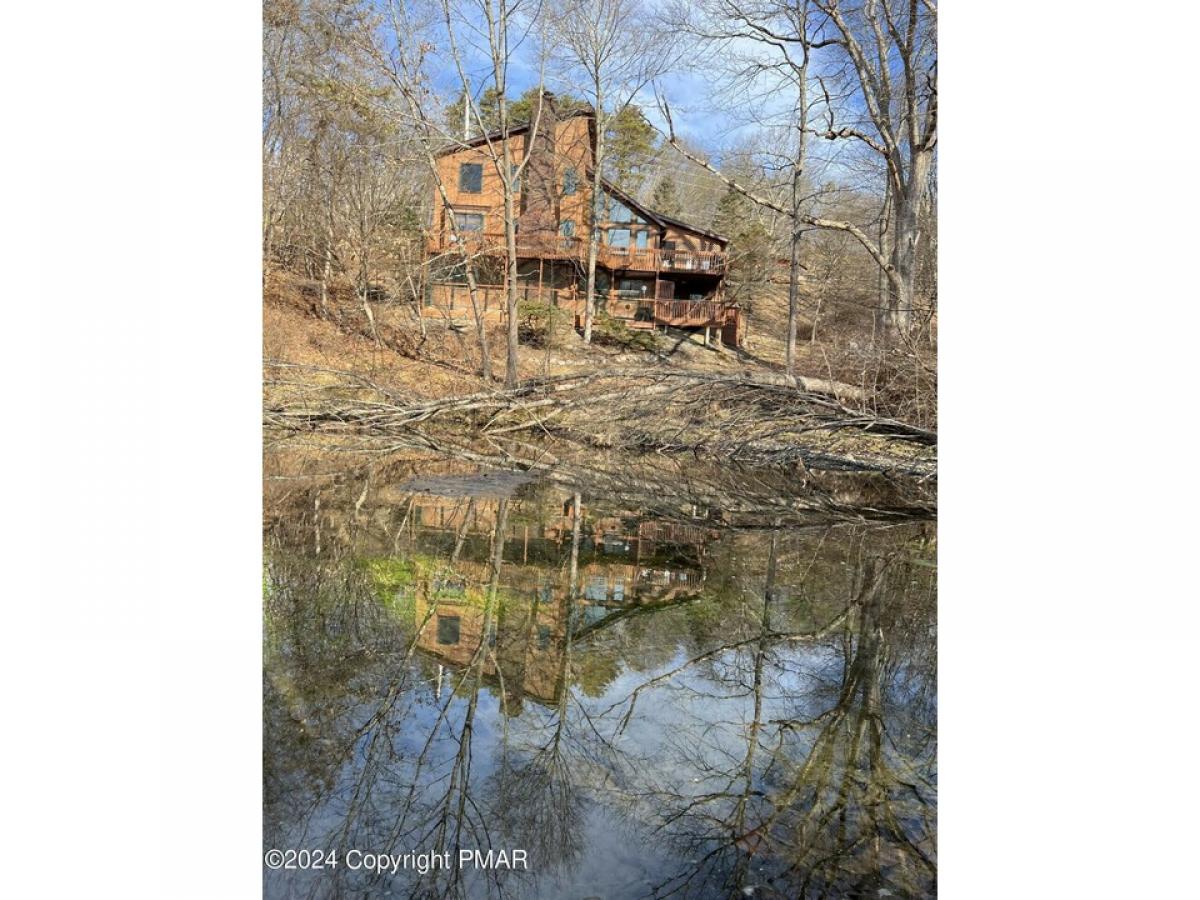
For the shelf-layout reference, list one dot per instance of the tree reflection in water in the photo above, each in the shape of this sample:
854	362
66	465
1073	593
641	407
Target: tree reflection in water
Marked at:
650	706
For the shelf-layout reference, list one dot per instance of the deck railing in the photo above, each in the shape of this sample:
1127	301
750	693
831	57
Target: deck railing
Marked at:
453	301
686	313
562	247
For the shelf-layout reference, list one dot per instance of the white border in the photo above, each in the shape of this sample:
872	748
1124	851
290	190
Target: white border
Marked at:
134	303
131	336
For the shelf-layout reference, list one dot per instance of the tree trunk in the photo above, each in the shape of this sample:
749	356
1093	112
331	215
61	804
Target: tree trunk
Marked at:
793	298
589	302
906	241
797	174
364	289
510	246
327	267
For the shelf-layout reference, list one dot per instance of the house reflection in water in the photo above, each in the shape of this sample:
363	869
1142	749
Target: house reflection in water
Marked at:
625	564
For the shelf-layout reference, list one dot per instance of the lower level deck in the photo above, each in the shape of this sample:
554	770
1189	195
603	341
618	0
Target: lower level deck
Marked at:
455	301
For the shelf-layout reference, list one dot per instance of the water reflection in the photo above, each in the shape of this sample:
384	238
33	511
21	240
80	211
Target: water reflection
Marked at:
648	705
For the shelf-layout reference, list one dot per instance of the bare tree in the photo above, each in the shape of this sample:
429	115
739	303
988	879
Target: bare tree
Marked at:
766	48
403	60
610	55
891	46
499	19
877	83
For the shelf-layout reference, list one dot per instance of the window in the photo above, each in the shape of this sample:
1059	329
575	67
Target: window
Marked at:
619	212
570	181
470	178
618	238
448	629
514	175
643	240
469	221
567	228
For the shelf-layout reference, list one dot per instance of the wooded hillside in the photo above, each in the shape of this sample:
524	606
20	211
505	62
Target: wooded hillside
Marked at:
806	131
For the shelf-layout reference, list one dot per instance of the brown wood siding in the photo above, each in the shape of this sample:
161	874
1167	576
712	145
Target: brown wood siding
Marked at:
553	261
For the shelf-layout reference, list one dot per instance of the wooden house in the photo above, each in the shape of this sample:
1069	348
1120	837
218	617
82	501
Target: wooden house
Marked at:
652	270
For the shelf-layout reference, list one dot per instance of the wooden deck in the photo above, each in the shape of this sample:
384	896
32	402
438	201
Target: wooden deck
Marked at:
573	248
690	313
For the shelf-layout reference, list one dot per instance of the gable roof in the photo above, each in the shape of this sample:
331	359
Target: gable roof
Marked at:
513	130
658	217
661	219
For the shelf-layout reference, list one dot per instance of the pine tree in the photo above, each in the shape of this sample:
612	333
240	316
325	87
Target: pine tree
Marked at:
632	145
520	110
730	216
665	198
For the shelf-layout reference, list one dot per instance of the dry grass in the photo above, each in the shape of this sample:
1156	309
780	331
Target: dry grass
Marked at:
444	361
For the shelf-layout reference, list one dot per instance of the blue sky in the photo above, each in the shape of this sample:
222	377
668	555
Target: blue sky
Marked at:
688	90
702	117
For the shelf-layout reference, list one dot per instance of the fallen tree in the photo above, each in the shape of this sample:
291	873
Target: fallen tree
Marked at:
743	418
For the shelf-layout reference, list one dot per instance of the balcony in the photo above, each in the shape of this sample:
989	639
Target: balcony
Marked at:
713	313
575	248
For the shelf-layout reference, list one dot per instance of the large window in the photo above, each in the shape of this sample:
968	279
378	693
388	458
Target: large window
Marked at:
643	240
619	212
570	181
468	221
618	238
470	178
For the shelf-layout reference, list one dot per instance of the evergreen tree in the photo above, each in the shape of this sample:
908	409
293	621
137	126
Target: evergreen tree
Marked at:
632	146
731	213
749	247
665	198
520	110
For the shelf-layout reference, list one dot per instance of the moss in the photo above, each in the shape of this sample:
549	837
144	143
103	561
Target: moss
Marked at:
389	573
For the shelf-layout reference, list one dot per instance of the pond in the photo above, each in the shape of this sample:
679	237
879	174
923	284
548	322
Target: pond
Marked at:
486	684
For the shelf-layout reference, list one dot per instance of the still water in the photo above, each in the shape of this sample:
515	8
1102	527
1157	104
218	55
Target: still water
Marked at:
617	702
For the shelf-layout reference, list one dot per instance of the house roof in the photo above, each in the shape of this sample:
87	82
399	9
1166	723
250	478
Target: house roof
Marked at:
513	131
660	218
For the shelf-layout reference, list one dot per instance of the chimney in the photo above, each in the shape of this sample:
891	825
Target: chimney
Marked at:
539	195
